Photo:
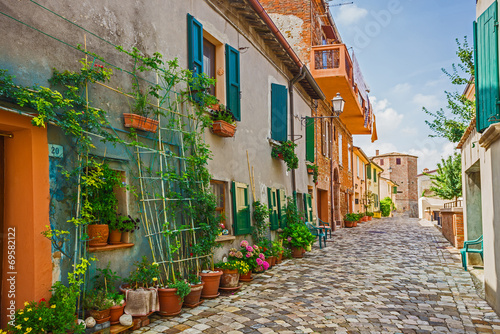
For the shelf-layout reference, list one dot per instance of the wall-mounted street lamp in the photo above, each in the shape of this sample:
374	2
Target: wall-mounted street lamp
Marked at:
337	109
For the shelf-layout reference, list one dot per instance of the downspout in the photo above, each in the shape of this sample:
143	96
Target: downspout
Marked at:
291	83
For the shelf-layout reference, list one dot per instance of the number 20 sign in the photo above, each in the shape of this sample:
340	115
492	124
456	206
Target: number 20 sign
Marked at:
55	151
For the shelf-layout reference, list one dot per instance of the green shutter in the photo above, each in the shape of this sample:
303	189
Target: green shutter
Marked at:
281	207
241	209
310	139
486	68
195	45
368	172
233	101
374	175
279	112
272	198
308	207
394	190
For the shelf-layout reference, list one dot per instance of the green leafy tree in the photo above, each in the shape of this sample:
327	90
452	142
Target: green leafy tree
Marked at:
452	124
447	183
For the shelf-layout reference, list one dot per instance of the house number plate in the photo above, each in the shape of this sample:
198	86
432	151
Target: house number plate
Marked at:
55	151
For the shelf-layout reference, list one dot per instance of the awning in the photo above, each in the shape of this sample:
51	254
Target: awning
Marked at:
329	32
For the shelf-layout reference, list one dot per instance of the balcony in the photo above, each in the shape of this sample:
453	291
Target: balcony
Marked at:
334	71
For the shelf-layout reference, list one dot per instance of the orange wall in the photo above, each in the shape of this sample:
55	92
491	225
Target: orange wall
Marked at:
27	199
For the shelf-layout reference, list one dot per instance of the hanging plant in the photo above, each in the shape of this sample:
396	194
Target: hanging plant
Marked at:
286	152
313	170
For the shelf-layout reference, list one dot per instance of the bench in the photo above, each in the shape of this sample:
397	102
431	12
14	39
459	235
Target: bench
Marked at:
466	249
319	232
325	226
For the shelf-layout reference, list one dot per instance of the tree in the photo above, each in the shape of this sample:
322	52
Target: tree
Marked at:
452	125
447	183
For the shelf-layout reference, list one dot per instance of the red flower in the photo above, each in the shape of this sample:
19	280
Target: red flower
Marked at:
190	254
42	300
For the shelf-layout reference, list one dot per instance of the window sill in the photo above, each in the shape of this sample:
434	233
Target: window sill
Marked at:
109	247
223	238
273	142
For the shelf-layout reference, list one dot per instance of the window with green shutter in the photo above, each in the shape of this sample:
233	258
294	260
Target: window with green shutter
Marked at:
281	207
233	96
195	45
241	209
374	175
394	190
308	207
310	139
279	112
486	68
368	172
272	198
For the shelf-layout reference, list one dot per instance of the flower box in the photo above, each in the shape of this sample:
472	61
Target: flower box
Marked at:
223	129
310	171
140	122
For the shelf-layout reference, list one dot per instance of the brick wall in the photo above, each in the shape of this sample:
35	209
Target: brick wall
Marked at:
452	222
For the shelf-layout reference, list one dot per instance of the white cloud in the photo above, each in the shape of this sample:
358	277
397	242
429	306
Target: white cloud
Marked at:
409	131
387	118
351	14
402	88
427	101
430	155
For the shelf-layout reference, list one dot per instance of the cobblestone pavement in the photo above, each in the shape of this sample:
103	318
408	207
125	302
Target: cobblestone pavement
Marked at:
385	276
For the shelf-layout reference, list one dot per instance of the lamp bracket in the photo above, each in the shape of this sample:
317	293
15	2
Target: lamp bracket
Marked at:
304	118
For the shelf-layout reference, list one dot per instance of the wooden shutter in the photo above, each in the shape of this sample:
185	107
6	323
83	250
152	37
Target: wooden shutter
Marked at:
281	207
272	198
310	139
195	45
374	175
368	172
308	207
279	112
394	190
486	68
233	101
241	209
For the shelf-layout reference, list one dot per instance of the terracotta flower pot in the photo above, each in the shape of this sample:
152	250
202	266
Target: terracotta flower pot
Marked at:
298	252
348	224
310	171
229	278
115	237
246	277
170	302
193	298
126	237
115	313
211	287
271	260
140	122
279	258
370	218
100	316
355	224
98	234
223	129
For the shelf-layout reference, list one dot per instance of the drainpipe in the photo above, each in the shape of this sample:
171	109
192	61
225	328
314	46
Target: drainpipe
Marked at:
292	82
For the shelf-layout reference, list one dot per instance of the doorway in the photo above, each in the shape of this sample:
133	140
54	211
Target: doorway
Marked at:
323	205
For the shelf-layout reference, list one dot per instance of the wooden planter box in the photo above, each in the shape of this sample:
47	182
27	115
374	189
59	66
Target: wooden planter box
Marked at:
223	129
140	122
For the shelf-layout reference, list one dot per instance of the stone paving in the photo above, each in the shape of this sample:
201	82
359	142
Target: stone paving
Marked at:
385	276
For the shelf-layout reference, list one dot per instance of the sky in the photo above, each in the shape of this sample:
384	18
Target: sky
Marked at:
401	46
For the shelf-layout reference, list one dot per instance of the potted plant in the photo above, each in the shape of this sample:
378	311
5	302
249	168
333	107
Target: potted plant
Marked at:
196	285
122	225
350	219
231	271
140	288
223	122
98	304
312	169
370	215
286	152
278	250
116	311
171	297
266	248
295	235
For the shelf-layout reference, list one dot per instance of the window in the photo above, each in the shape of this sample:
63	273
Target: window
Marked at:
381	162
340	150
310	139
398	161
326	140
241	209
368	172
356	201
374	175
486	65
272	199
349	156
219	190
279	112
209	62
394	190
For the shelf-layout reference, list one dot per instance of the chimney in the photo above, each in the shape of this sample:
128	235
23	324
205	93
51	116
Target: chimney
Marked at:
377	152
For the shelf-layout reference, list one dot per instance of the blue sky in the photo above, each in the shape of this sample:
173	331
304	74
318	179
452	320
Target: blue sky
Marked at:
401	46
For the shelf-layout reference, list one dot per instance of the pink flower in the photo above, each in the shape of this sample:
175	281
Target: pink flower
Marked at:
231	253
249	249
249	254
289	239
259	261
261	256
265	264
239	255
255	246
244	243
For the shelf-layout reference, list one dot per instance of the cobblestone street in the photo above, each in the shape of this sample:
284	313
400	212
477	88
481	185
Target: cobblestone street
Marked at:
384	276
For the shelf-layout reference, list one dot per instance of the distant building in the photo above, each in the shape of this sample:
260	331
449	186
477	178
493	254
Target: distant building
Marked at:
428	203
402	169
